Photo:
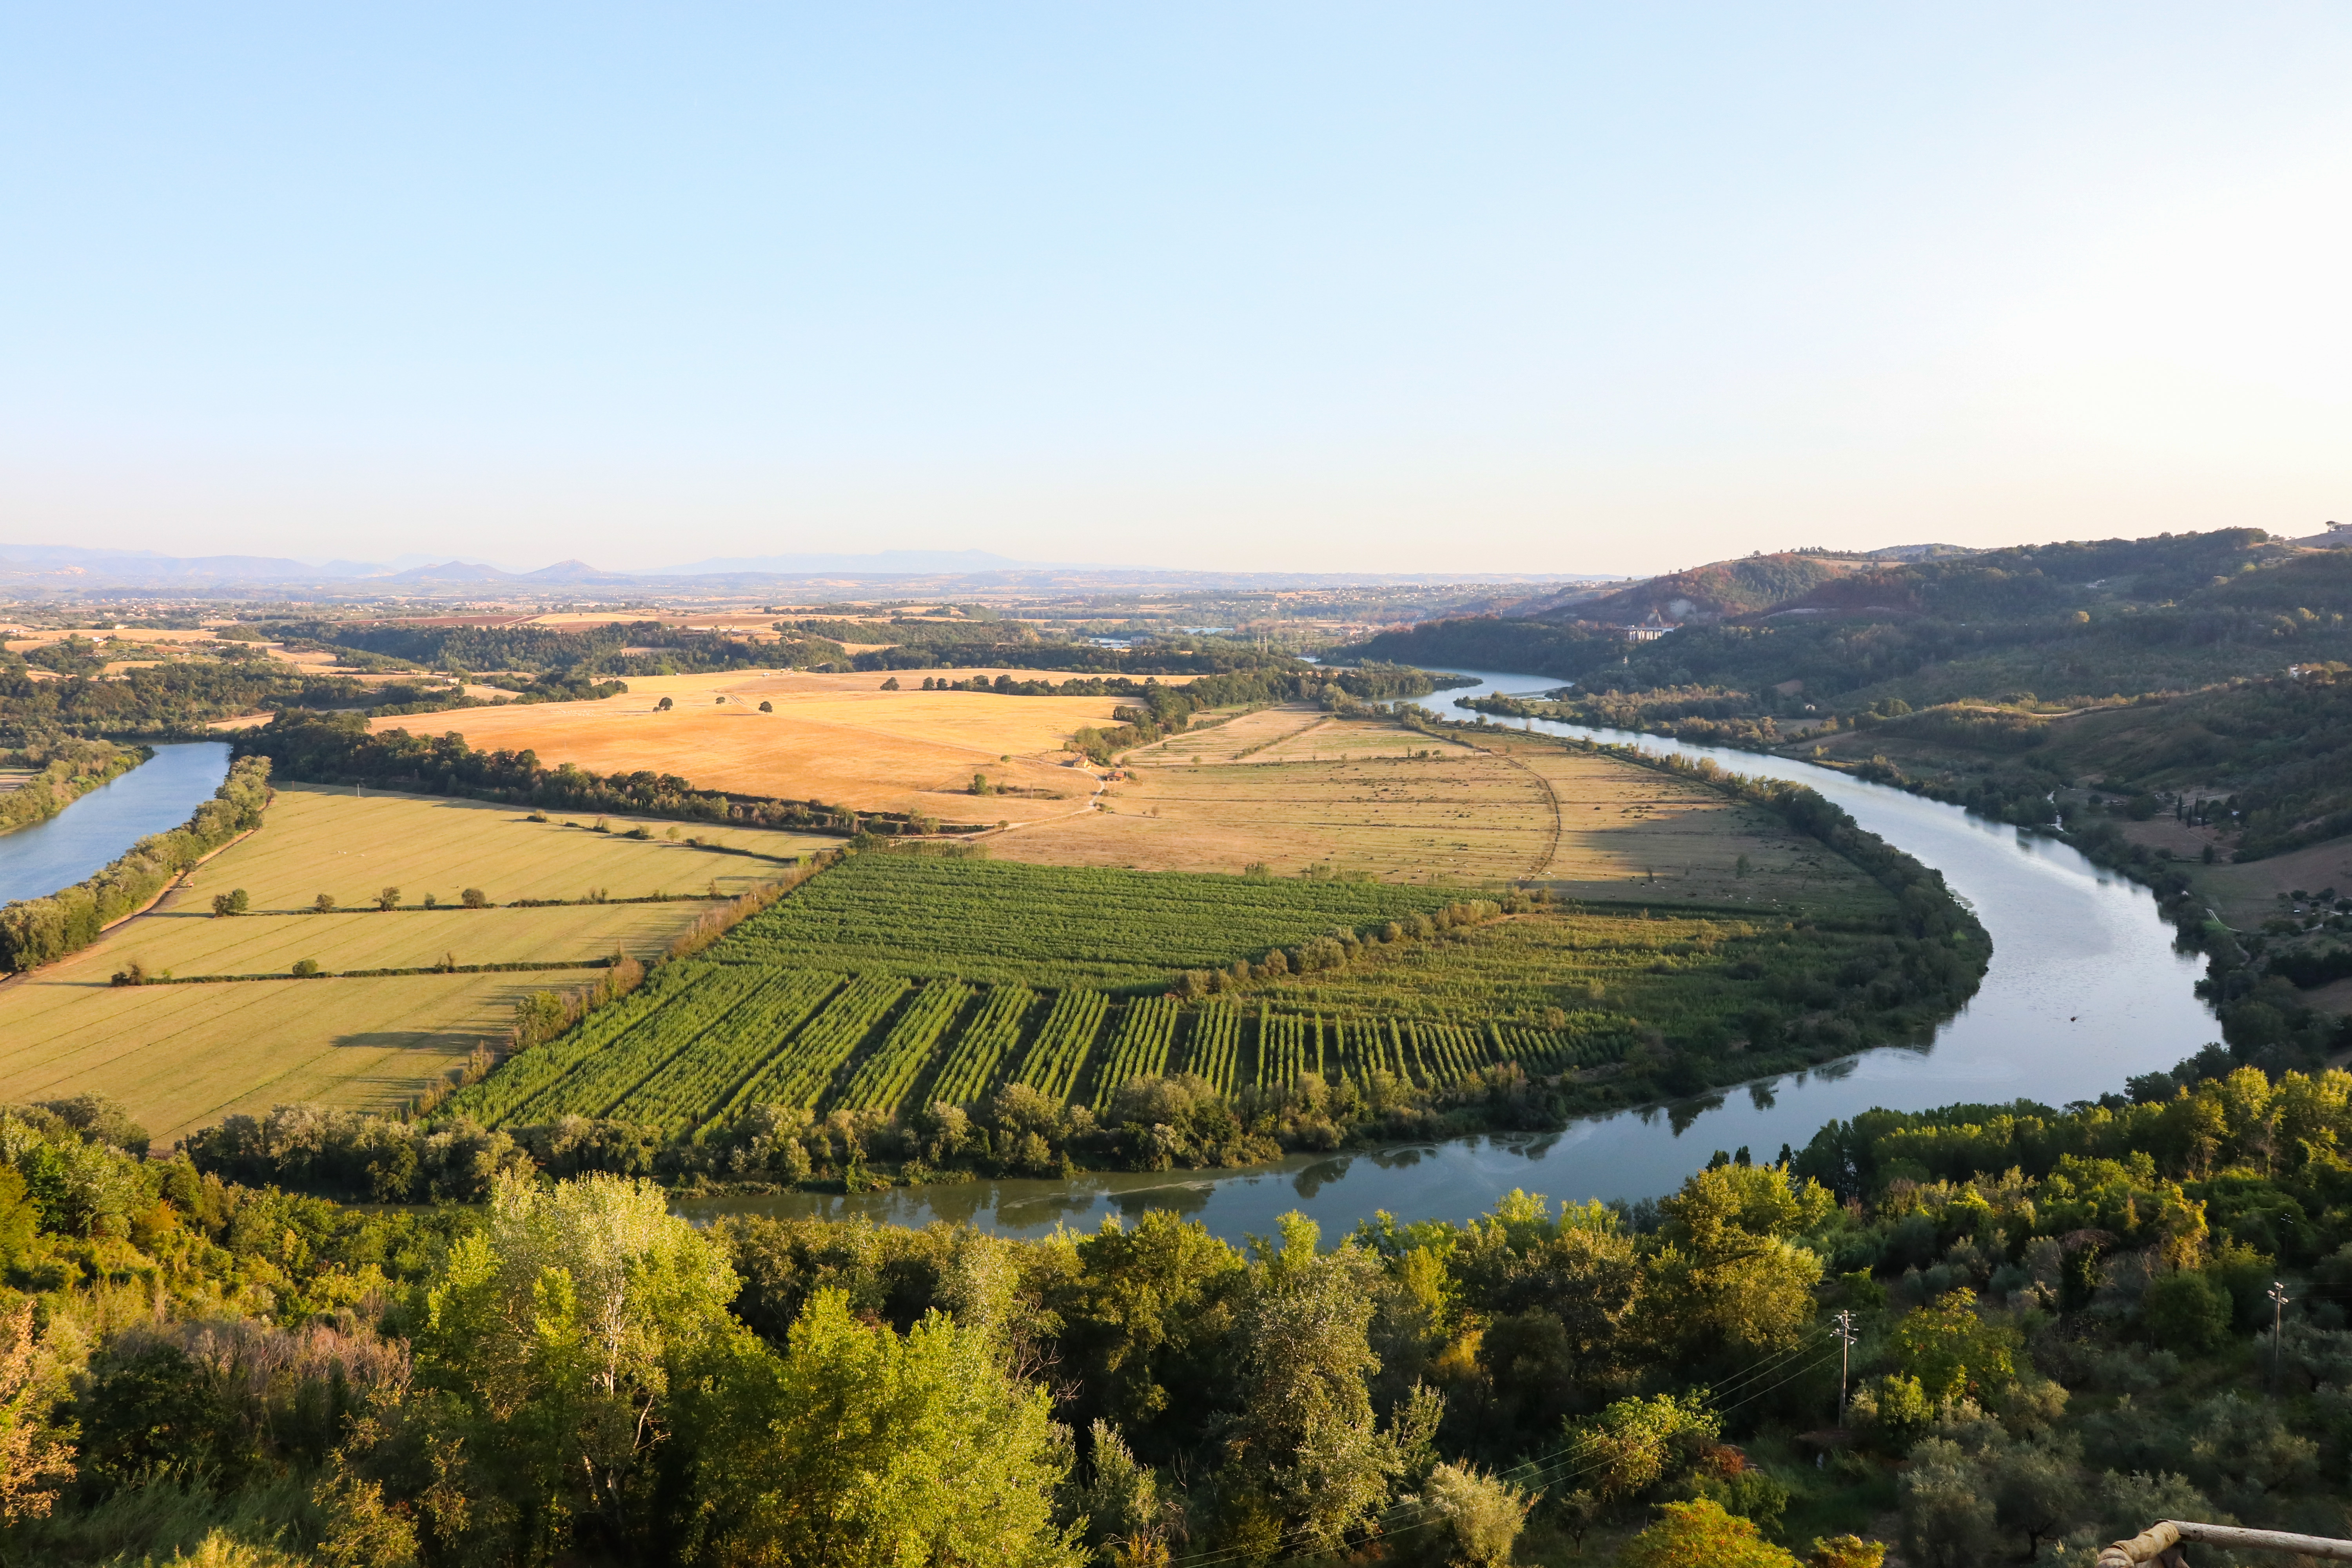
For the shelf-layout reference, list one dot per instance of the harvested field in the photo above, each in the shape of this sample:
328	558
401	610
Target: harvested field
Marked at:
181	1055
2247	895
317	839
835	738
1296	788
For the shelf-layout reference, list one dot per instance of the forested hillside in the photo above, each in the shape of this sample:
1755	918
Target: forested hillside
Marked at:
2055	621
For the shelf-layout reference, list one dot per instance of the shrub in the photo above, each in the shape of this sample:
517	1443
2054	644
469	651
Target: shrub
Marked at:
1701	1535
2185	1311
767	708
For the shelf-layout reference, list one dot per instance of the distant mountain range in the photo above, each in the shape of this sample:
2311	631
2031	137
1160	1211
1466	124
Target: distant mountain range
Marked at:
45	569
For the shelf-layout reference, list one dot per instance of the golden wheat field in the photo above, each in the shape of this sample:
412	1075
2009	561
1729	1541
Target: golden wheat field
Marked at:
836	738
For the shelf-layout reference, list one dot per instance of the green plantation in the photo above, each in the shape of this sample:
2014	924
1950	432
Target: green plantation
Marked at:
707	1039
1125	933
1379	1007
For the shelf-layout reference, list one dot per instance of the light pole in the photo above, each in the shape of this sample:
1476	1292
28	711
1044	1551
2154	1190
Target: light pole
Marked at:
1846	1336
2278	1319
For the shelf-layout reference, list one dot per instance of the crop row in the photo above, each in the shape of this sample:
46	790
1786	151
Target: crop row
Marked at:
697	1081
494	1099
883	1078
1216	1044
798	1074
982	1047
714	1038
606	1077
1139	1048
1059	1052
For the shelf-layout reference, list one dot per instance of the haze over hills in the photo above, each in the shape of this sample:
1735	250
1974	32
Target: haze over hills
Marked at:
45	570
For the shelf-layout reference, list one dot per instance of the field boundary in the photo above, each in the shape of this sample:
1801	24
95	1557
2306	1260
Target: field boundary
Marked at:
516	967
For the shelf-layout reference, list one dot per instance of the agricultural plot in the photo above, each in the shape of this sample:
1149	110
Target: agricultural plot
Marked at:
1007	922
1215	1046
974	1062
1059	1053
724	1037
1292	788
1146	1028
883	1080
178	1057
798	1074
970	974
318	840
679	1095
835	738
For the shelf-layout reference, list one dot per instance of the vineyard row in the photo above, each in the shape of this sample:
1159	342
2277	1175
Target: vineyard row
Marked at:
708	1039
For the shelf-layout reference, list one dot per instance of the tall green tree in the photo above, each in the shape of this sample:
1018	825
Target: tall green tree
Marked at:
555	1336
862	1448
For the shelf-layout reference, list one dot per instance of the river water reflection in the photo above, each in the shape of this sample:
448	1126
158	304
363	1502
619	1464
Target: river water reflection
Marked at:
86	836
2086	989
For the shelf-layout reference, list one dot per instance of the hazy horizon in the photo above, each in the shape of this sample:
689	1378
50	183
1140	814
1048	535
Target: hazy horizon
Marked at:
1309	290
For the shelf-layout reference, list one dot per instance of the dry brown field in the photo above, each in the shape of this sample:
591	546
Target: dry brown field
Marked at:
1294	788
181	1056
835	738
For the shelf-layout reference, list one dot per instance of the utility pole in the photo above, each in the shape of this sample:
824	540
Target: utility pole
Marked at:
2278	1319
1846	1336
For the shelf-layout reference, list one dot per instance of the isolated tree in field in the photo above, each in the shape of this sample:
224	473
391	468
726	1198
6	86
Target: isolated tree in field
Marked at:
767	708
891	684
474	898
388	898
233	902
305	968
324	904
663	706
980	784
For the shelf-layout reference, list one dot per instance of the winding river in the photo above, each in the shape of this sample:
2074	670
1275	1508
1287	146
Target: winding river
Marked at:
2086	989
86	836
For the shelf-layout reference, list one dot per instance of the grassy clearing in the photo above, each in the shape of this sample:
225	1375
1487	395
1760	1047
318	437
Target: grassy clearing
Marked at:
835	738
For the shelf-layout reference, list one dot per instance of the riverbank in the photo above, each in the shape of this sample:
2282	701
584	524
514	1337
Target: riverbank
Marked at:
38	783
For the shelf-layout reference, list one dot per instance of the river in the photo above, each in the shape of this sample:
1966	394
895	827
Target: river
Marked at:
2086	989
94	831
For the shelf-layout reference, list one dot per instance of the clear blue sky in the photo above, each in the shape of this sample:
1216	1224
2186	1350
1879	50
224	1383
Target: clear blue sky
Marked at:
1463	287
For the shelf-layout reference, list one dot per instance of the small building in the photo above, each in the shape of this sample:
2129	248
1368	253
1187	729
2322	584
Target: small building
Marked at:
1649	630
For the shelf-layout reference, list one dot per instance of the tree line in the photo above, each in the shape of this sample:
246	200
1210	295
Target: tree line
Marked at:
34	931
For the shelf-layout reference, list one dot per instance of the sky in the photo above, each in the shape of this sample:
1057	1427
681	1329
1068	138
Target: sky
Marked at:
1543	288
